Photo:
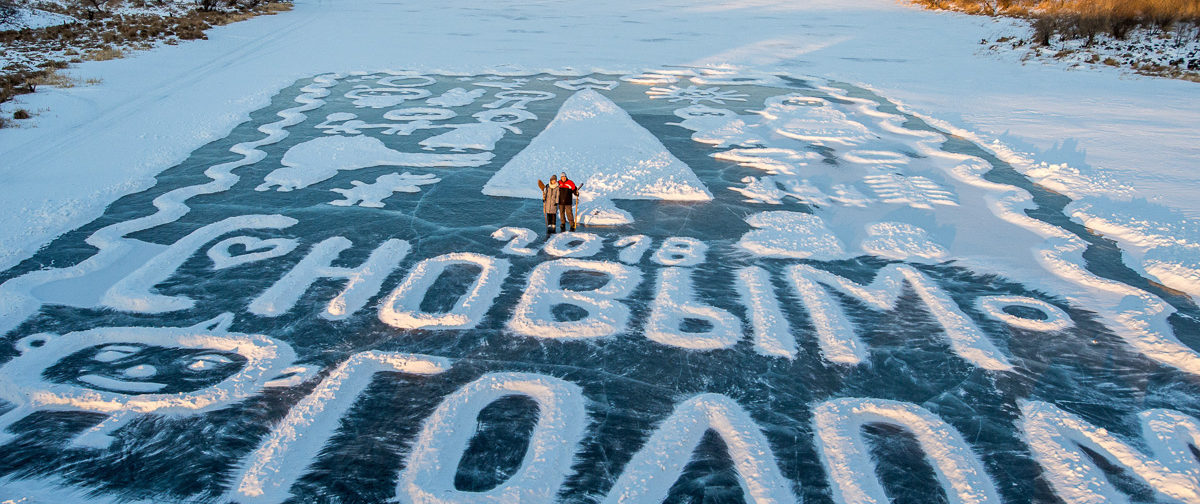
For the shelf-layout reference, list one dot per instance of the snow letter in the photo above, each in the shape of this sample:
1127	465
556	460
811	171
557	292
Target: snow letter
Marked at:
403	307
444	437
840	345
534	315
649	475
133	293
361	283
837	426
1055	437
772	336
674	304
282	457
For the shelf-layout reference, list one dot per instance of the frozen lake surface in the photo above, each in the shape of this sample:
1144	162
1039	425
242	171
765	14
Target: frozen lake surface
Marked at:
803	293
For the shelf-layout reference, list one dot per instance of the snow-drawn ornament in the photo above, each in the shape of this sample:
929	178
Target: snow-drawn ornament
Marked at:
128	371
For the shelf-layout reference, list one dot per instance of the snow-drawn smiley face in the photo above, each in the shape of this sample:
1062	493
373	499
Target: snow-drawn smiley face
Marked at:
144	369
128	371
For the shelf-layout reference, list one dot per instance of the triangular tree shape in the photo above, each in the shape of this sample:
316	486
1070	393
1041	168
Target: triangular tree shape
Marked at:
605	151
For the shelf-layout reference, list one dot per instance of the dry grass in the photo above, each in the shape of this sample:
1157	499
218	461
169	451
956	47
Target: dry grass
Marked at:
106	35
54	78
104	54
1080	18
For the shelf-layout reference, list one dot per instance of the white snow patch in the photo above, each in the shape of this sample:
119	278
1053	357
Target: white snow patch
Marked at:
602	212
773	160
21	380
915	191
680	251
791	235
254	249
902	241
836	335
457	97
518	238
362	282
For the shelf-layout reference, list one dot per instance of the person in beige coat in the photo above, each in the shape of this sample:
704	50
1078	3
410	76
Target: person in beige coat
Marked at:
550	202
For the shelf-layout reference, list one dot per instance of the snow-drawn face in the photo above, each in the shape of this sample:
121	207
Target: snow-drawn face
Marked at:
162	369
143	369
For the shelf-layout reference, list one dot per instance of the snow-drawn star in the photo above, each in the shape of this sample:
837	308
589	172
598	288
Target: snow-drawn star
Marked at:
696	94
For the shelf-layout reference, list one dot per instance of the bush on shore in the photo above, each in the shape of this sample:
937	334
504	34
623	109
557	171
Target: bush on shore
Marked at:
1080	18
102	35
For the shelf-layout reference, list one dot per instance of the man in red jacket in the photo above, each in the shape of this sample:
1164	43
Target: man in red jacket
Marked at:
566	197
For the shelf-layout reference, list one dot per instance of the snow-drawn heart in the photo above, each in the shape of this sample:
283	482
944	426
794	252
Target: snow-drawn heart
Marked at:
256	249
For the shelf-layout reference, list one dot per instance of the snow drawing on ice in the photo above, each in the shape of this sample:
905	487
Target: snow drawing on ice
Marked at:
871	312
206	375
372	195
695	94
322	158
791	235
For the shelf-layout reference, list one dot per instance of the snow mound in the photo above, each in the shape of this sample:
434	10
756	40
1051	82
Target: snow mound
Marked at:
602	212
605	150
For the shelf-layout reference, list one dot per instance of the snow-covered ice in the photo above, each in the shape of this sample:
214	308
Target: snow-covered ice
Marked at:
805	274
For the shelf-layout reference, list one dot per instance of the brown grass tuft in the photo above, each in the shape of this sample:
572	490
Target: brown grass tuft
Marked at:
104	54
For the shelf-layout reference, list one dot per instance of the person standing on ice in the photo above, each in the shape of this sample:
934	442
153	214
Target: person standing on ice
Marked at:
549	201
566	198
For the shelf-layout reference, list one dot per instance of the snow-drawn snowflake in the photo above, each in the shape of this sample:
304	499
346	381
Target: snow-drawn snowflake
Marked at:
695	94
